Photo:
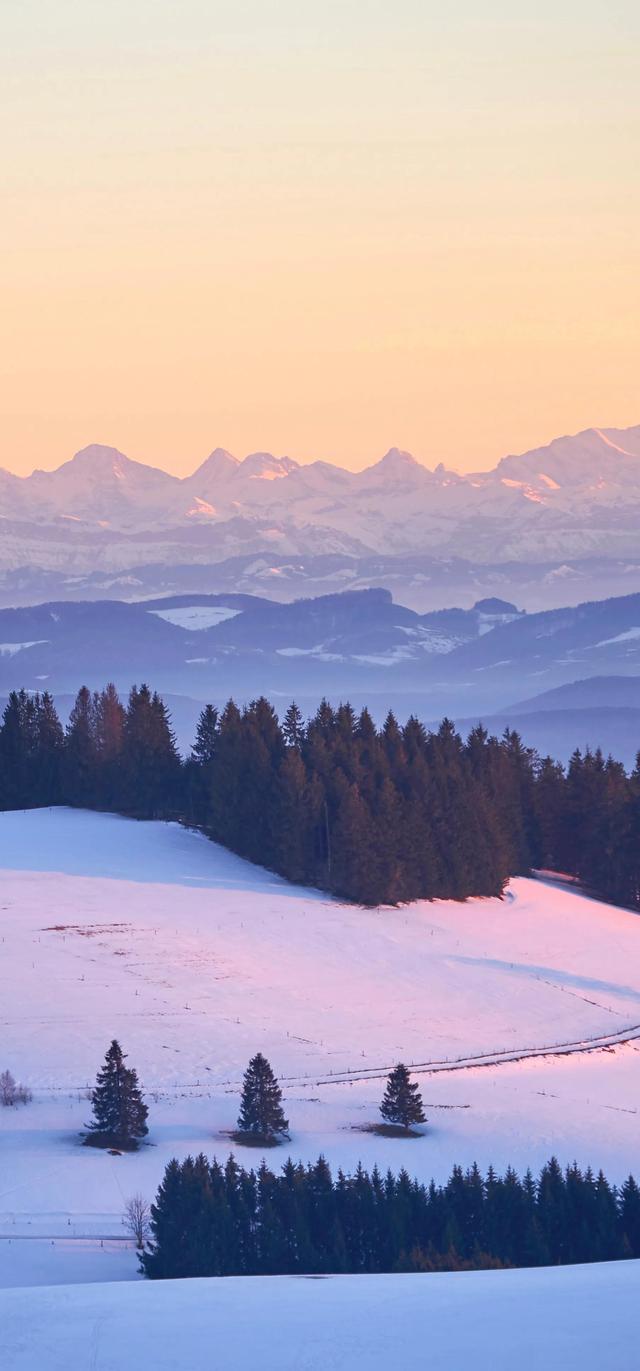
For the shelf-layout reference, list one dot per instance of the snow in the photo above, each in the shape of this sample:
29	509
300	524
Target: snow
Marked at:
300	651
578	497
201	508
10	649
196	617
562	1319
630	635
521	1017
616	446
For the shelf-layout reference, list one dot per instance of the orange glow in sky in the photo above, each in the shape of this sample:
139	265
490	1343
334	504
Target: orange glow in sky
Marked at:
317	228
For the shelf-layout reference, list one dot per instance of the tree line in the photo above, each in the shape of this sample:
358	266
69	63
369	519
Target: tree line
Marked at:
214	1220
376	815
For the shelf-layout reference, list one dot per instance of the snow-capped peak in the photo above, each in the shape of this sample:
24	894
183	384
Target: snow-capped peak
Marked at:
218	463
97	459
396	467
265	467
396	458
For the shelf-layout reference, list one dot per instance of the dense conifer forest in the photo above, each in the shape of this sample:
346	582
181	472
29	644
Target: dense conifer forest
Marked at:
210	1220
373	815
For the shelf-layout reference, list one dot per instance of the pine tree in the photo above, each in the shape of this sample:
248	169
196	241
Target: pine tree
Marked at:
261	1115
80	751
293	726
152	764
402	1102
50	749
119	1112
289	818
204	747
17	738
109	728
629	1204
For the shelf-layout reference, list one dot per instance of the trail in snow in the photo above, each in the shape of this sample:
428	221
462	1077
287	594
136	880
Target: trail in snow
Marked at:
196	960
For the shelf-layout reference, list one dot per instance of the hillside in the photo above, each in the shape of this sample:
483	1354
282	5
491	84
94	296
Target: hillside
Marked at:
522	1016
490	1320
359	645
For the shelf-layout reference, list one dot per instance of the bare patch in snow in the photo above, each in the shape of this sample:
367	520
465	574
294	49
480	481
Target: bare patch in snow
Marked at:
196	617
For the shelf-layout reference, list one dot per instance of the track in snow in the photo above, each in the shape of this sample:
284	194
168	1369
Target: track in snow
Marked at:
499	1058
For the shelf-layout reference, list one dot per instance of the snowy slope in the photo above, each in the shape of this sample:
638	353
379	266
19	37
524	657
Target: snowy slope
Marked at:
559	1319
195	960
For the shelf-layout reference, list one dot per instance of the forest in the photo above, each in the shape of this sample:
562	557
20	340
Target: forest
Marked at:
373	815
210	1220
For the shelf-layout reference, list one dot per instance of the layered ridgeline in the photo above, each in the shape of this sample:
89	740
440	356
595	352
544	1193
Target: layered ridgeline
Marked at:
373	815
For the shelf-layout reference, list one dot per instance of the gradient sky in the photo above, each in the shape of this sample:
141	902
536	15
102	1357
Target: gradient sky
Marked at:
317	228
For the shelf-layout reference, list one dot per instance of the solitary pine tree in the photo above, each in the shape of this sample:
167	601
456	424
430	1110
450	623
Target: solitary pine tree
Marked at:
293	727
261	1115
402	1102
119	1112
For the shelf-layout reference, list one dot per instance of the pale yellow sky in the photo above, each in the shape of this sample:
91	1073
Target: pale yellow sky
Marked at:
317	228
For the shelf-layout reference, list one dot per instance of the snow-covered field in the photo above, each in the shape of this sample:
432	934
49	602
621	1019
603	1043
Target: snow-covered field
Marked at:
195	960
557	1319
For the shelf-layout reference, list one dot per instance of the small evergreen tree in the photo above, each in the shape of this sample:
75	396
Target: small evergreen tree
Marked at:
402	1102
119	1112
293	727
261	1115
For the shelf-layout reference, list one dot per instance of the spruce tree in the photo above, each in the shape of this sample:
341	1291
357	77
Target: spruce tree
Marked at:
402	1102
293	727
50	747
204	747
152	769
119	1112
261	1116
80	751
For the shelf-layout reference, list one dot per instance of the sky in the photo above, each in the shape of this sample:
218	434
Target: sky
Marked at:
319	229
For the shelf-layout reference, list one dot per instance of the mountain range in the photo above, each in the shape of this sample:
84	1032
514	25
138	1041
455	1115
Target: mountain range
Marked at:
556	667
550	519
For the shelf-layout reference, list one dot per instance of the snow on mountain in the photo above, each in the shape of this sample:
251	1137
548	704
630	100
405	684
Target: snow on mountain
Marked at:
101	486
262	466
356	644
587	463
577	497
195	617
217	468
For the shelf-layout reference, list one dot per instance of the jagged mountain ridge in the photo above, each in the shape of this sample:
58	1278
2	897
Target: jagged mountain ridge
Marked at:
577	497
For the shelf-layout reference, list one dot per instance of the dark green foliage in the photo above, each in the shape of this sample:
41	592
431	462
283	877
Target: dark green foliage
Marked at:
261	1115
379	816
81	750
210	1221
119	1112
204	747
151	765
31	751
402	1102
199	766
